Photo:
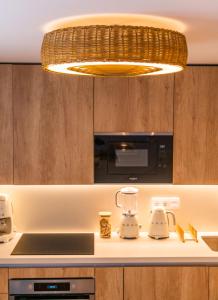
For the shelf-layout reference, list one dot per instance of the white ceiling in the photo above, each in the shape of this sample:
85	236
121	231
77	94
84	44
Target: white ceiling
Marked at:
22	22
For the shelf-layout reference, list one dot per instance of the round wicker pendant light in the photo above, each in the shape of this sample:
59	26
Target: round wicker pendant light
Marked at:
114	50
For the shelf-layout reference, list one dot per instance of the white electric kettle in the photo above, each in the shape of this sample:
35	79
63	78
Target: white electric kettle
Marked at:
159	224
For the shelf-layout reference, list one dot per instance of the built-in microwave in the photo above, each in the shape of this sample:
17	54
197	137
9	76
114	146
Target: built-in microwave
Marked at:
128	158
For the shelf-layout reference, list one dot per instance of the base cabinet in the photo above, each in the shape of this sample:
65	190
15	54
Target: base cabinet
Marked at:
3	282
109	283
132	283
213	283
166	283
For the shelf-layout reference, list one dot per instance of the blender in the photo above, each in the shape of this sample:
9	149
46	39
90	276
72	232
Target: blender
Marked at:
126	199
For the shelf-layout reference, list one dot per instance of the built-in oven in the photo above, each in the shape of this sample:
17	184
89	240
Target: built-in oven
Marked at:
138	158
52	289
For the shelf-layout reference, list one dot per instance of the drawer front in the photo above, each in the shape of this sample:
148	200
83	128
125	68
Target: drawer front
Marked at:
50	272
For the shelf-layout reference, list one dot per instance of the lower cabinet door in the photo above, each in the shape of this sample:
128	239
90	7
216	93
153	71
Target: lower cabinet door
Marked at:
213	283
166	283
109	284
3	282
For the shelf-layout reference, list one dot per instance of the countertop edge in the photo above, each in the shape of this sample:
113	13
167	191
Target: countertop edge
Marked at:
118	262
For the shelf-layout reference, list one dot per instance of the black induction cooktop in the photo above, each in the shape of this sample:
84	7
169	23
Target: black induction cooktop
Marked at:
55	244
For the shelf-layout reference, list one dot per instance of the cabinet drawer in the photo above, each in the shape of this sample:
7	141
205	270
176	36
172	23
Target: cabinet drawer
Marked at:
3	281
50	272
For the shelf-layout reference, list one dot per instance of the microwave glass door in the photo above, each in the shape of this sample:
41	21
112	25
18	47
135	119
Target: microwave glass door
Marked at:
129	157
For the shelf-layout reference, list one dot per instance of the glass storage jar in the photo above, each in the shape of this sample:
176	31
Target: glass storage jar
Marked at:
104	223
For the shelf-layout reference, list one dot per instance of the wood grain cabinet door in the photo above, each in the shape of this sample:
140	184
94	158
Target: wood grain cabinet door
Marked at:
53	127
196	126
213	283
6	125
3	282
133	104
166	283
109	284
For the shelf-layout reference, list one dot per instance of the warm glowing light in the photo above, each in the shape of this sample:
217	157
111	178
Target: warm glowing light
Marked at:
118	19
66	68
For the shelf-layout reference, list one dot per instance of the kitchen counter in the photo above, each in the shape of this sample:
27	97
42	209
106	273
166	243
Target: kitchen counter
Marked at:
116	251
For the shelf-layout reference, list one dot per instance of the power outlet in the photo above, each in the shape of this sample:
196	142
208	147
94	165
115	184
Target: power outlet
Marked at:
166	202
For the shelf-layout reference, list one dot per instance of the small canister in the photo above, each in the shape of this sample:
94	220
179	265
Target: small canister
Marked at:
104	222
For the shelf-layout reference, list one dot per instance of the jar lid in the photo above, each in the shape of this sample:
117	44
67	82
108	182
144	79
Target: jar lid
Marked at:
105	213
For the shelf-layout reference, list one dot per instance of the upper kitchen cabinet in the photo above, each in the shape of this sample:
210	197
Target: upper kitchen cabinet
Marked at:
6	125
53	127
143	104
196	126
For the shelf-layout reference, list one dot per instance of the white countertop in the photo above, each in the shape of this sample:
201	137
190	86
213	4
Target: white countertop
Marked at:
116	251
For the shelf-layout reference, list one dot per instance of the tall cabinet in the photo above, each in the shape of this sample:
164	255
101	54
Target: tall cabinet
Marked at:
53	127
6	125
196	126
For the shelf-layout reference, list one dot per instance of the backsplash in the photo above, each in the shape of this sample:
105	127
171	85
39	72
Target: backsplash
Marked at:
75	208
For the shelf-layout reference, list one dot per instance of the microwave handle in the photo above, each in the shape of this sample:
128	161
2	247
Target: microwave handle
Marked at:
116	200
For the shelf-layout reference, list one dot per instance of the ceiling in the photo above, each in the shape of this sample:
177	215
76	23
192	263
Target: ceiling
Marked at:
22	23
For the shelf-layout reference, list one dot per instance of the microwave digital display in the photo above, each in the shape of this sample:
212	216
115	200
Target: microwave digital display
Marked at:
133	158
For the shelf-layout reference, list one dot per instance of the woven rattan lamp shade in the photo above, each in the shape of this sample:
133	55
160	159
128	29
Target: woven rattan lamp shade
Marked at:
114	50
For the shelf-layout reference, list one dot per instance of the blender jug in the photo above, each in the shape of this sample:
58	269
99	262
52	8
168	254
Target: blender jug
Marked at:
126	199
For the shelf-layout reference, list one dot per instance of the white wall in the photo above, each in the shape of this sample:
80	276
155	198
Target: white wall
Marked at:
75	208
